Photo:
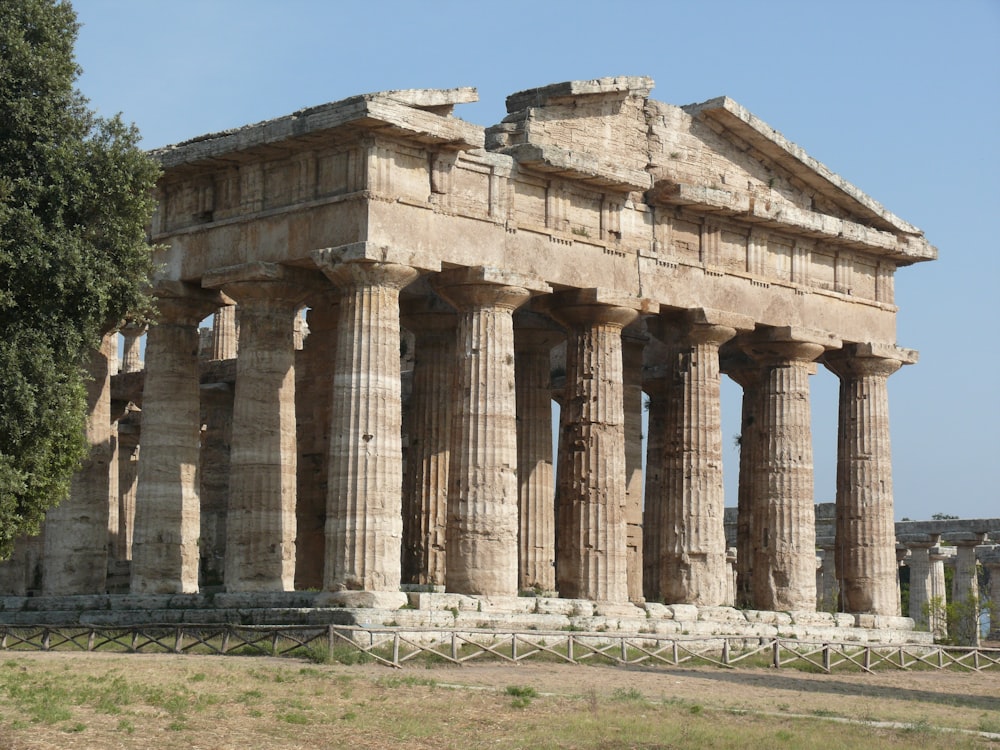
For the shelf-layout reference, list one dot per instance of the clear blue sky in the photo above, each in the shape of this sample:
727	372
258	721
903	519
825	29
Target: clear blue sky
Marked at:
901	97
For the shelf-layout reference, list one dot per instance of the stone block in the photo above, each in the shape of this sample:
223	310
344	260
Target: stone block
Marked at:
812	618
363	599
721	614
565	607
658	611
683	612
615	609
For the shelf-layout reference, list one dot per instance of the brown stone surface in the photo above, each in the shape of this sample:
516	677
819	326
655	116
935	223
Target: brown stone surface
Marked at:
75	541
167	522
482	533
425	483
591	538
866	542
364	524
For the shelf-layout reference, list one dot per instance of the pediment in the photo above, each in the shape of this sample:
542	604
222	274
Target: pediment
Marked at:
718	158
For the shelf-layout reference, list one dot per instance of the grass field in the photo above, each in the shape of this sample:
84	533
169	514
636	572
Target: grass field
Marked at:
74	700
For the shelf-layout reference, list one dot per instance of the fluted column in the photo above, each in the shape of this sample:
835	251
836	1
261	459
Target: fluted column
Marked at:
634	341
657	388
829	593
425	482
364	524
784	569
224	339
534	338
128	474
260	523
313	394
694	540
965	591
167	504
591	552
866	538
747	374
76	530
937	617
919	564
991	561
483	494
131	352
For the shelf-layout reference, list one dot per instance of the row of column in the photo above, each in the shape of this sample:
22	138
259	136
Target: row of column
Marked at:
478	488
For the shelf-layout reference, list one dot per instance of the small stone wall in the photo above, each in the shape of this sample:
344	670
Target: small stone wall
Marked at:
454	611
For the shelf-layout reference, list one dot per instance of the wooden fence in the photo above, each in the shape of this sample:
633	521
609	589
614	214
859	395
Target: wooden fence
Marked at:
396	647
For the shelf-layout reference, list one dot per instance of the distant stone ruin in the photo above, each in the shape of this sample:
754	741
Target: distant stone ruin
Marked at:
634	246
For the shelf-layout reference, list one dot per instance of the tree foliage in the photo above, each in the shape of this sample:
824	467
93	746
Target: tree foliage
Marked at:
75	198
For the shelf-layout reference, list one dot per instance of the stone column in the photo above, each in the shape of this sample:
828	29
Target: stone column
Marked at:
129	428
224	339
167	505
829	593
784	568
938	600
919	564
217	398
991	561
866	539
901	554
591	553
131	353
694	539
260	523
313	393
483	494
965	590
634	340
364	524
747	374
534	337
657	389
76	530
425	483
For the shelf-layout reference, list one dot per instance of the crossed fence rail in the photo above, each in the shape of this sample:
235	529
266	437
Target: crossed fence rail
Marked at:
396	647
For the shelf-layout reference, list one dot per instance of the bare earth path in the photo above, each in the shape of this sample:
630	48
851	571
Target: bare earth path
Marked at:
62	700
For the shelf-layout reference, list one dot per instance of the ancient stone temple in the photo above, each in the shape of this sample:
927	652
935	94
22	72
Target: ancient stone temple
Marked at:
595	245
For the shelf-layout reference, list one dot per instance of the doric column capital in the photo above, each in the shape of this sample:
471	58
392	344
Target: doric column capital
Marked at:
861	360
259	281
180	303
583	308
355	274
739	366
778	346
481	286
705	325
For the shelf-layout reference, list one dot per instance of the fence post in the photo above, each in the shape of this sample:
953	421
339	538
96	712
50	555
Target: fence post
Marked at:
826	657
725	651
395	649
776	654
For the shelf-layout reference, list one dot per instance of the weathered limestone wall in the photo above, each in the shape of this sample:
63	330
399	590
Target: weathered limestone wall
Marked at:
590	208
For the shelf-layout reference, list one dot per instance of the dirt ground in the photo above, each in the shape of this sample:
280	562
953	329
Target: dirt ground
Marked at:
211	702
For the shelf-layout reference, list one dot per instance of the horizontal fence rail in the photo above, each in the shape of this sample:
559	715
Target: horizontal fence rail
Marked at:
396	647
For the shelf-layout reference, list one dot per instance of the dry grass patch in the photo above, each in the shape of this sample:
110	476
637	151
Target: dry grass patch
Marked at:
64	700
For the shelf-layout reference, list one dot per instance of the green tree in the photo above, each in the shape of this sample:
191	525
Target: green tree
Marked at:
75	198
